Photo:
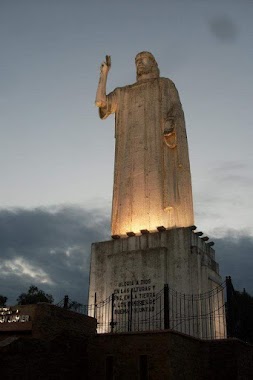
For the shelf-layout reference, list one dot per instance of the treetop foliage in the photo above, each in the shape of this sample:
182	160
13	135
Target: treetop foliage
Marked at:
3	301
33	296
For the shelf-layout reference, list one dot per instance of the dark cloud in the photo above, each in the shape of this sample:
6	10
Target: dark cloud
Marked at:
223	28
49	248
234	252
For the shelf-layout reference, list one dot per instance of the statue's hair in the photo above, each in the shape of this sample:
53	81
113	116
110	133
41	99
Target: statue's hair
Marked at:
155	68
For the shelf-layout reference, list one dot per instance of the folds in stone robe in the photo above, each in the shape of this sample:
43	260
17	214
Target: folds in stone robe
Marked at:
152	180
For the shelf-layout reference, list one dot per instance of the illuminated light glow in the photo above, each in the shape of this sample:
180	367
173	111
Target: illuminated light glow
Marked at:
7	315
152	180
150	222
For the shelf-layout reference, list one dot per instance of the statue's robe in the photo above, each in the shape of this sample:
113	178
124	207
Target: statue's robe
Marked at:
152	180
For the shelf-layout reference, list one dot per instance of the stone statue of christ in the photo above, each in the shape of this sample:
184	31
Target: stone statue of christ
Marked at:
152	179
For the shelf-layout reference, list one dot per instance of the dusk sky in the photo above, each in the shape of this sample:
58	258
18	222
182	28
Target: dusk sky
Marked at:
57	156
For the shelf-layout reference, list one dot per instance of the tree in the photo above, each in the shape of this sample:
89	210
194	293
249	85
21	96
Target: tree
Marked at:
3	301
244	305
240	316
33	296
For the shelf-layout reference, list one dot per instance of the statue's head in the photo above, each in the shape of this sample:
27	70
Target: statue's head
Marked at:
146	66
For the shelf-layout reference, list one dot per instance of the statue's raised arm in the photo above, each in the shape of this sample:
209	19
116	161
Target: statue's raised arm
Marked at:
101	91
152	179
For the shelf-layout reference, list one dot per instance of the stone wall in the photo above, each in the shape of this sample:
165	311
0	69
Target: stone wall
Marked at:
143	264
51	321
46	322
166	354
177	257
170	355
26	358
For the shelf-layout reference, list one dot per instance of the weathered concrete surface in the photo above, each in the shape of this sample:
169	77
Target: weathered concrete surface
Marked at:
169	356
152	180
177	257
46	322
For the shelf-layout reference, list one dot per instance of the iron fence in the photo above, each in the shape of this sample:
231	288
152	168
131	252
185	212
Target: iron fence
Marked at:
199	315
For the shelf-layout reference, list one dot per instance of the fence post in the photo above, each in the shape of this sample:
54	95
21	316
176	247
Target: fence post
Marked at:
130	311
166	307
66	302
229	308
112	314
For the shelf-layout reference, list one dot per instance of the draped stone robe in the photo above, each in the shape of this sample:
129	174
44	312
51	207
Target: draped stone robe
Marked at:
152	180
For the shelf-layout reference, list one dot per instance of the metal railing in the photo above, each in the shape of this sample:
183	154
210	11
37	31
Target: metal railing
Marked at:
199	315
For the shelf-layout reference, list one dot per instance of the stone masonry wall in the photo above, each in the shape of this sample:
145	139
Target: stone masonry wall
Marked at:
47	321
169	355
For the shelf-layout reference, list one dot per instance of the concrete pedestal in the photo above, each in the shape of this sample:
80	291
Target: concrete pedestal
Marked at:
137	268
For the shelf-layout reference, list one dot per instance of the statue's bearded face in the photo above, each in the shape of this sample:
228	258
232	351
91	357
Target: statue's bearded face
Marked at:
144	65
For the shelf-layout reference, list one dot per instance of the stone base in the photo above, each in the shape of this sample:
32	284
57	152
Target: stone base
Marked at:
140	266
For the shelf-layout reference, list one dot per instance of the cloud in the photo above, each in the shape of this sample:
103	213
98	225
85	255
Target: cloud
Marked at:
224	197
234	252
20	267
223	28
230	166
232	172
50	248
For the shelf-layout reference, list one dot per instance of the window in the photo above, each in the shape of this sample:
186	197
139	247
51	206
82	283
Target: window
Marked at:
143	363
109	368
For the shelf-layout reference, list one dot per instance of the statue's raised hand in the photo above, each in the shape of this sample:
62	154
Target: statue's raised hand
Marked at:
106	65
101	91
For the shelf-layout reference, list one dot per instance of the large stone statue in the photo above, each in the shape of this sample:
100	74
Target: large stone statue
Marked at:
152	180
